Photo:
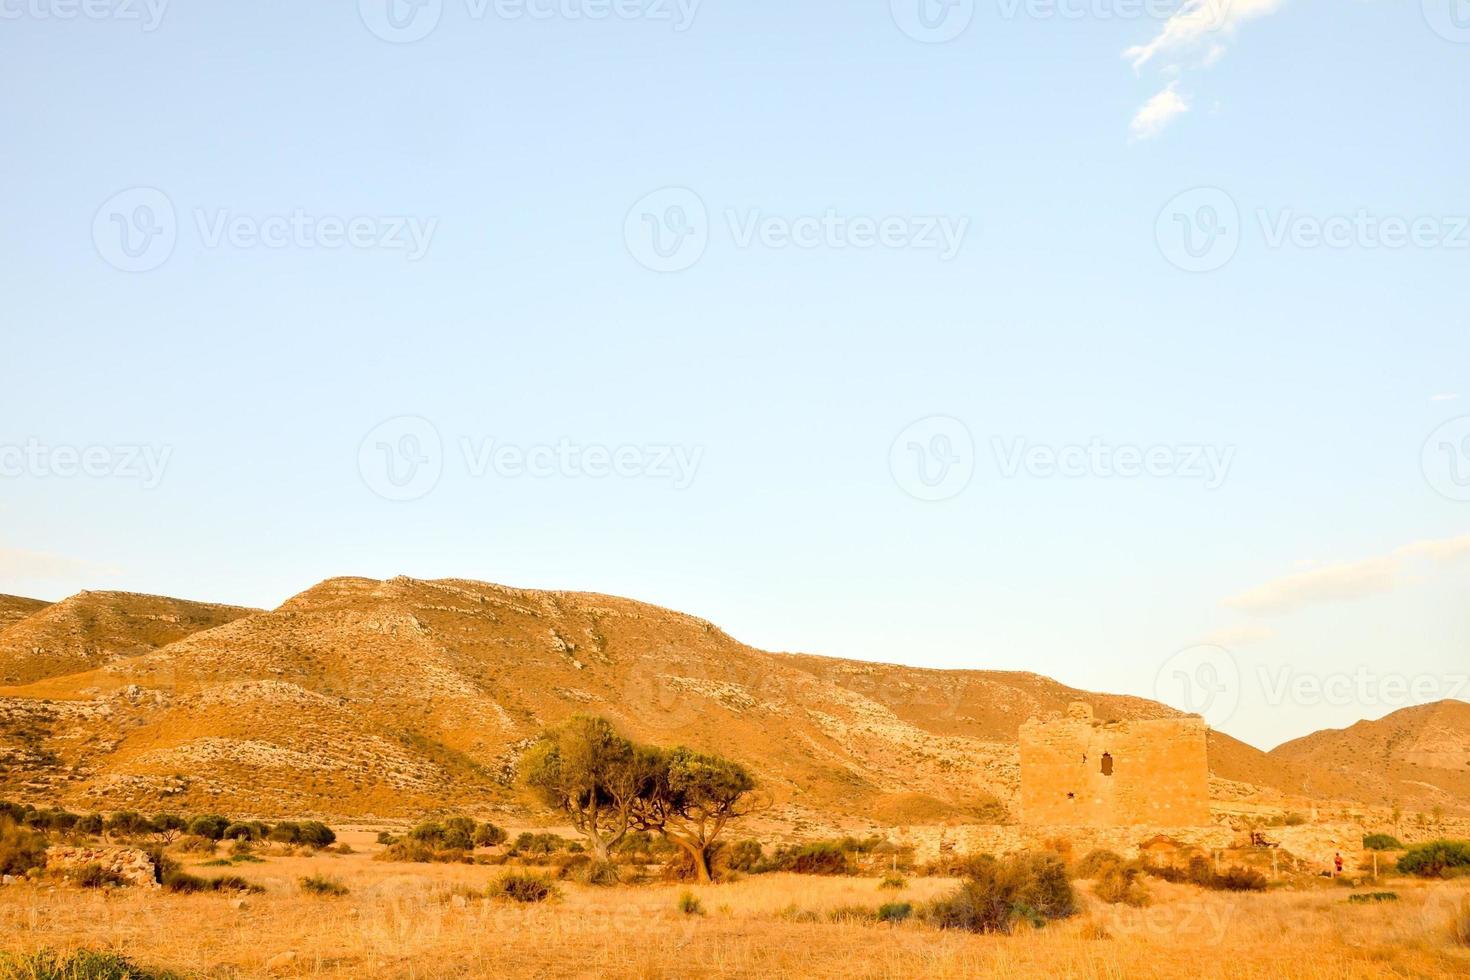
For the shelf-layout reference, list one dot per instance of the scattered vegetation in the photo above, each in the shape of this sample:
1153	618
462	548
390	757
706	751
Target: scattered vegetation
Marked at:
1096	863
1437	859
1122	884
322	885
1382	842
1002	894
81	964
1460	924
21	849
1373	898
94	876
521	887
895	882
1202	873
895	911
184	883
689	904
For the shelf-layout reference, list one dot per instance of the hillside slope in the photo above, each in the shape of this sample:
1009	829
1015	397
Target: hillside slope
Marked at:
94	628
13	609
1418	757
364	697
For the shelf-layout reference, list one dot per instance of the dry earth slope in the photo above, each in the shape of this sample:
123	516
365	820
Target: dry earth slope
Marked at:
361	697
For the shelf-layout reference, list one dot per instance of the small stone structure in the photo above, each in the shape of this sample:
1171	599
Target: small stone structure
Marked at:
1080	772
134	866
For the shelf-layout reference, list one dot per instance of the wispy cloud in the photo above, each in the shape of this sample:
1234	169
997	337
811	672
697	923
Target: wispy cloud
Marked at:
1158	112
1243	635
1444	398
1345	580
17	565
1194	37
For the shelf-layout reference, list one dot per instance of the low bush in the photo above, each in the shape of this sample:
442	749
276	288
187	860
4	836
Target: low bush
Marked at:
1096	863
895	882
95	876
852	914
212	826
489	835
1436	859
818	858
386	839
598	873
80	964
197	844
895	911
957	866
746	856
20	849
1122	884
520	887
1202	873
322	885
689	904
1373	898
1382	842
1024	888
538	844
184	883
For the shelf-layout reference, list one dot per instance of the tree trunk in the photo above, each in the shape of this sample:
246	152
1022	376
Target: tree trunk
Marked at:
600	852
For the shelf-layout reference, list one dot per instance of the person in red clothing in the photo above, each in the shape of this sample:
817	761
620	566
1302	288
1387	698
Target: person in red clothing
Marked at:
1337	860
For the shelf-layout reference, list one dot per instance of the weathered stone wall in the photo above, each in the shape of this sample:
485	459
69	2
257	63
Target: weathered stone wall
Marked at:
1159	772
931	843
135	866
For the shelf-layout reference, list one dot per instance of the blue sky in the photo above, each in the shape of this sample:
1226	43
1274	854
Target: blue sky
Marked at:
788	315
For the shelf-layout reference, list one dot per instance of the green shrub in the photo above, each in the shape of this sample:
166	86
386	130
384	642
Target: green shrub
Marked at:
184	883
1121	884
895	911
746	856
519	887
489	835
850	914
1382	842
242	831
168	823
322	885
95	876
1372	898
819	858
1436	859
689	904
597	873
81	964
90	825
196	844
895	882
1097	862
1031	888
210	825
20	849
409	851
127	823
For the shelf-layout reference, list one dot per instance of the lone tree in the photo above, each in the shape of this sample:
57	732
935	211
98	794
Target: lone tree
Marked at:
690	800
595	776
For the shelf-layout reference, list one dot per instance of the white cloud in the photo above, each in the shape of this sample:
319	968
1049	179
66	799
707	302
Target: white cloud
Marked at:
1443	398
17	565
1158	112
1345	580
1350	580
1194	37
1246	634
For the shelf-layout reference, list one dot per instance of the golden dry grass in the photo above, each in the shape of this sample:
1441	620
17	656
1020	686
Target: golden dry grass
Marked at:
406	921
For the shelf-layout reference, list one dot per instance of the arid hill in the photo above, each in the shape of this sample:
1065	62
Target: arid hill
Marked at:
95	628
1418	757
13	609
361	697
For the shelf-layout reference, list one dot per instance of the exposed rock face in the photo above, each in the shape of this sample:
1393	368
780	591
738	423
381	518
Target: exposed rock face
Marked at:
135	866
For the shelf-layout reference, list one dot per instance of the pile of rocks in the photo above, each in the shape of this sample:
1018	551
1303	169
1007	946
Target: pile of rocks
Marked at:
135	867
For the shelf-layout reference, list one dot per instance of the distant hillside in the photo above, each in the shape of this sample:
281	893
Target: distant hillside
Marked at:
1417	757
94	628
388	698
13	609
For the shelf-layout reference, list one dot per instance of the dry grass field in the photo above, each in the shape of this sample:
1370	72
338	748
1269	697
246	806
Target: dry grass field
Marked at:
422	921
